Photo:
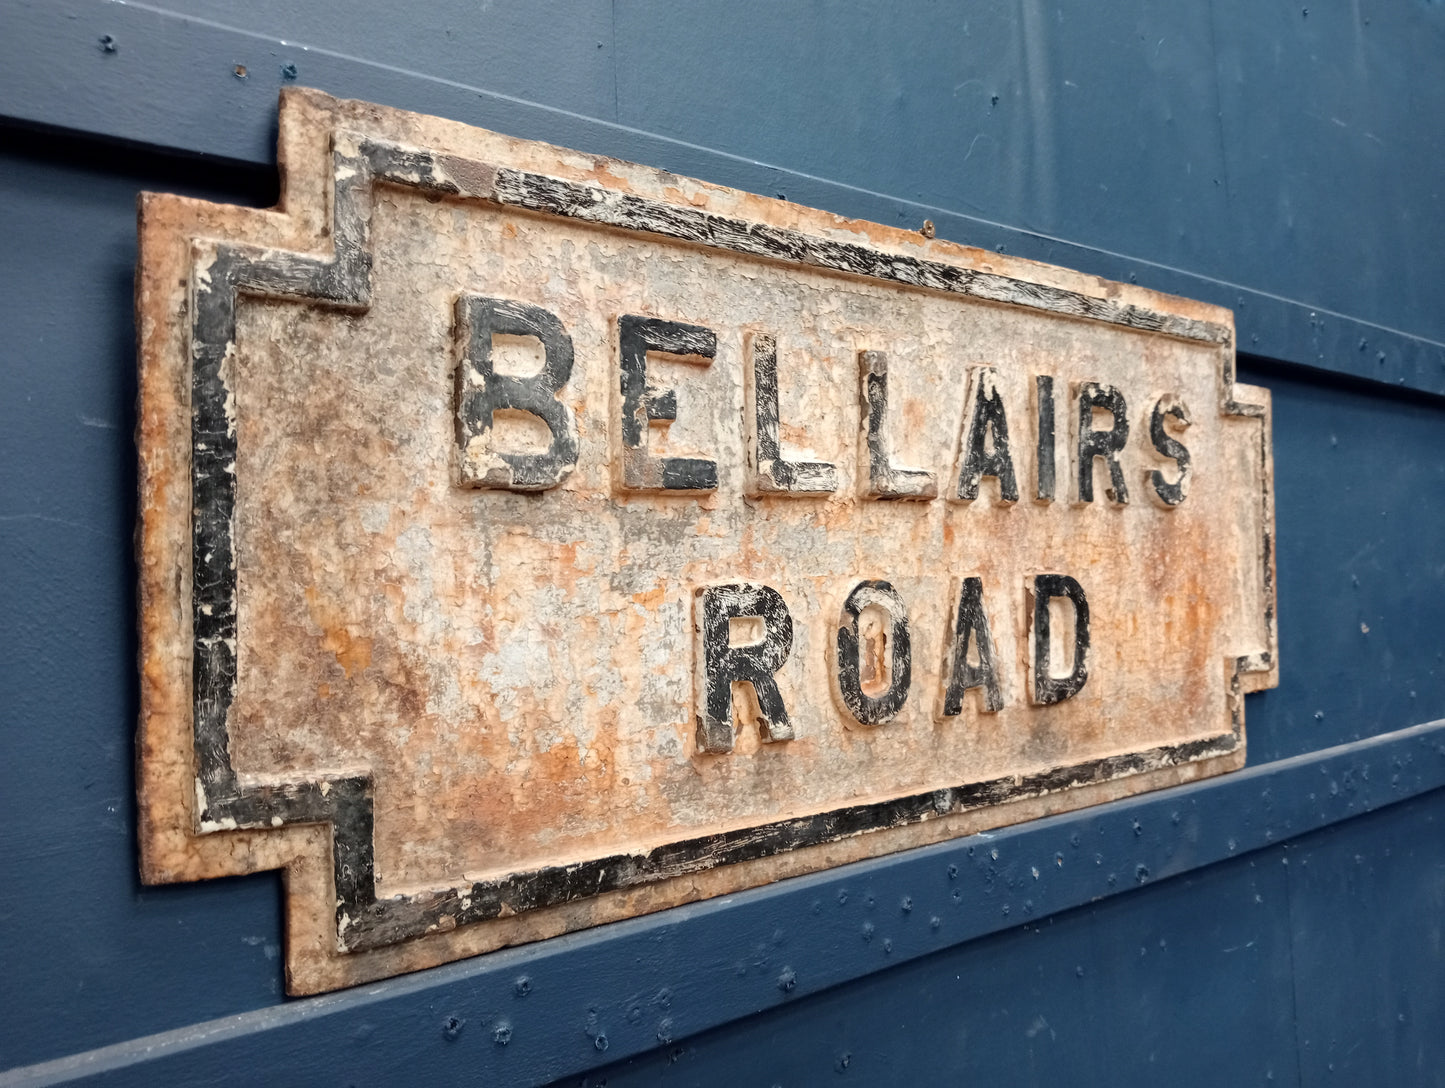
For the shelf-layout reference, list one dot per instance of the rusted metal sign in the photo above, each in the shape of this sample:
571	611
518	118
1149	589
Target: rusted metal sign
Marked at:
530	540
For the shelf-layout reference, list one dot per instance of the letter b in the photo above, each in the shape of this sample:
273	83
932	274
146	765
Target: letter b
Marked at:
481	392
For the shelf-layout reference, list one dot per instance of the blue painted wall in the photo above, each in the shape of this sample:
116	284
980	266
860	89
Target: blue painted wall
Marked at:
1286	163
105	966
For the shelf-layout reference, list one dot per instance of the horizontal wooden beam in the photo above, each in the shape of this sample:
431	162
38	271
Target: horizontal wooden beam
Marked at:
534	1014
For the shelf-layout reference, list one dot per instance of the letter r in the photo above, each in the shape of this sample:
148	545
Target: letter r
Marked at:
721	663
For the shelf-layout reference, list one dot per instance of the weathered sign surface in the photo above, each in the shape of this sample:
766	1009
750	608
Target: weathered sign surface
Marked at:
530	540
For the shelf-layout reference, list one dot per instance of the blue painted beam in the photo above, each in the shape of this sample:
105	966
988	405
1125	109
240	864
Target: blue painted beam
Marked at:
534	1014
1307	963
128	72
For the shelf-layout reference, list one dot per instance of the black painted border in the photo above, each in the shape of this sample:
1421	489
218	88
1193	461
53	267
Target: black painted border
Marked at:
222	272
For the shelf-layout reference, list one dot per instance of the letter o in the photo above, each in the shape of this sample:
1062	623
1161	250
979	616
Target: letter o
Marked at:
872	654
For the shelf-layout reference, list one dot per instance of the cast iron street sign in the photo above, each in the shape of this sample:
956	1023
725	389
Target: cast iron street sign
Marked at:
530	540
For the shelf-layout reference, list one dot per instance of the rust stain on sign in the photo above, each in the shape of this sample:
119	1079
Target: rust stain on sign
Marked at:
530	540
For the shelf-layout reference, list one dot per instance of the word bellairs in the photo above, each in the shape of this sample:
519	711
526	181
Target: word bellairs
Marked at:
984	446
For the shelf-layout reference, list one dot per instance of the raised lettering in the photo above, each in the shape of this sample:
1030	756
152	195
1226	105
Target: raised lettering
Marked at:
644	404
985	448
1104	444
769	472
883	479
481	392
872	654
970	628
1044	410
726	659
1048	688
1170	495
